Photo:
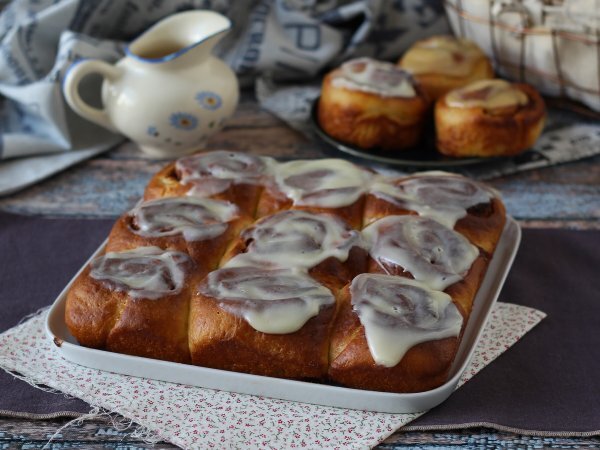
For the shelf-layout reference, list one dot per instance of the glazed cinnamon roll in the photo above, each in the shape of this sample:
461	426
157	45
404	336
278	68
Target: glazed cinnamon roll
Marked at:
443	63
201	227
489	118
323	185
393	334
265	322
372	105
134	302
462	204
222	175
322	244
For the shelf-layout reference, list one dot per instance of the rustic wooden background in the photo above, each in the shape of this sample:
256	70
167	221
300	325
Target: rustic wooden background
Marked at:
106	186
566	196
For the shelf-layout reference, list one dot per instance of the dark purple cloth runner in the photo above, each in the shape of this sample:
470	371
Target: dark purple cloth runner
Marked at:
547	382
38	257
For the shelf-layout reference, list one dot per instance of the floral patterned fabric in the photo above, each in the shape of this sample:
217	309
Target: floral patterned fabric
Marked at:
193	417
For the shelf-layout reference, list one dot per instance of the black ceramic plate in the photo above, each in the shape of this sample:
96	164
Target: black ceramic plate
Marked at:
424	156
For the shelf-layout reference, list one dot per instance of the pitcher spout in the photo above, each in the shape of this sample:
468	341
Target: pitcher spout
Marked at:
185	33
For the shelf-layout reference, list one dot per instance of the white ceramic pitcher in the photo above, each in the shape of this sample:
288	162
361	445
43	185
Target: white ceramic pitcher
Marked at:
169	93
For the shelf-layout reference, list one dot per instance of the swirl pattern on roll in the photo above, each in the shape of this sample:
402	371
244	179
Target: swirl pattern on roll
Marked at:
487	94
377	77
194	218
440	196
432	253
398	313
271	301
298	239
325	183
214	172
144	272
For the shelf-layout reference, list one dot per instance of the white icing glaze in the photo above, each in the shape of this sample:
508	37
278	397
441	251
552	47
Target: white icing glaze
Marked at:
326	183
446	55
441	196
434	254
378	77
398	313
271	301
296	239
214	172
144	272
488	94
208	187
195	218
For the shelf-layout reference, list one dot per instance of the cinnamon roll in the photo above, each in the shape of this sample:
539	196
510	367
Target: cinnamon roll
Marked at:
323	185
443	63
393	334
222	175
372	105
134	302
469	207
201	227
489	118
265	322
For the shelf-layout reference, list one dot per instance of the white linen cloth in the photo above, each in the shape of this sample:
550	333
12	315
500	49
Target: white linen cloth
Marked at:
193	417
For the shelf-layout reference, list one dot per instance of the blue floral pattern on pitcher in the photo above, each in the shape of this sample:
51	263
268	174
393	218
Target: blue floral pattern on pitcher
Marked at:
183	121
209	100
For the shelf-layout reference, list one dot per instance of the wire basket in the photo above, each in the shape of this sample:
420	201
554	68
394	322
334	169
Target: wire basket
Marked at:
551	44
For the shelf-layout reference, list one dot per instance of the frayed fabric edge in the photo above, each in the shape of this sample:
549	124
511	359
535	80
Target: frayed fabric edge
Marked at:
117	420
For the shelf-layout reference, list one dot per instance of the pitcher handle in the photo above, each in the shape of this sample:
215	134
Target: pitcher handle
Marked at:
71	89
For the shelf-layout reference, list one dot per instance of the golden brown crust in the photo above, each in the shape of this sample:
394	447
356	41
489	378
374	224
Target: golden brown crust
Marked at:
463	293
368	120
101	317
335	274
483	225
271	201
222	340
165	183
425	366
463	132
90	314
153	328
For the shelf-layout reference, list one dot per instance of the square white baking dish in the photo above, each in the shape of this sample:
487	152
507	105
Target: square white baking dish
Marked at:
299	391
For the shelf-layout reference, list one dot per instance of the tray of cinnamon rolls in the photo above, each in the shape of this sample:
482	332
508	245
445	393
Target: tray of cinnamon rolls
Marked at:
438	106
318	281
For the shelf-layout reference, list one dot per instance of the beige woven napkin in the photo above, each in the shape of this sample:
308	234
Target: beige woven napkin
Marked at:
193	417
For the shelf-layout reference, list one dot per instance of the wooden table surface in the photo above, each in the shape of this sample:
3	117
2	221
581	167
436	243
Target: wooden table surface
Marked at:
565	196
